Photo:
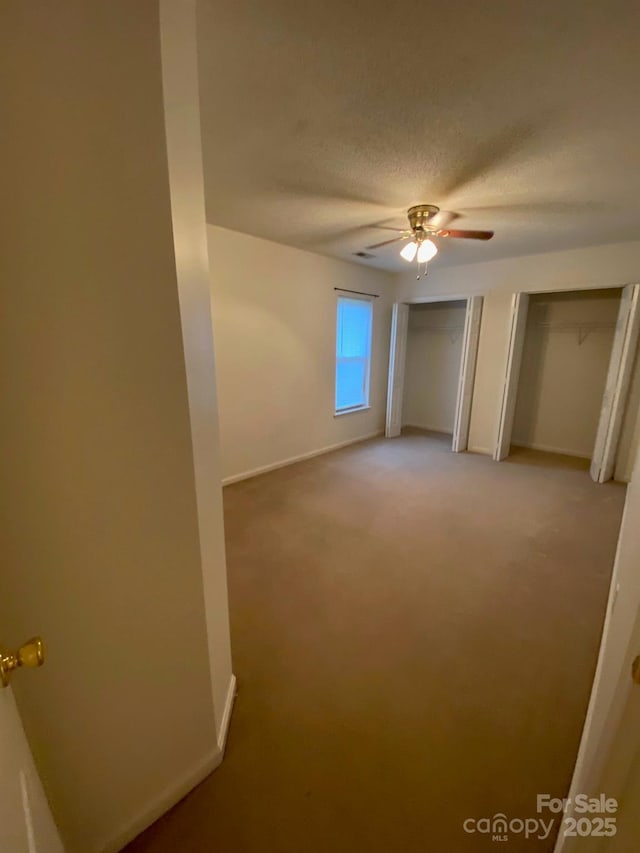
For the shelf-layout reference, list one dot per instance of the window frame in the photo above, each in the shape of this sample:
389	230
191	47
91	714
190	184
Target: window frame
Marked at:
346	410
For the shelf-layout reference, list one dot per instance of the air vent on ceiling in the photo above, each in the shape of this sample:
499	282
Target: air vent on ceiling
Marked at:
366	255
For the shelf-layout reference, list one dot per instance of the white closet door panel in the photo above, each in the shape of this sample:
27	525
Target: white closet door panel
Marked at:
519	307
397	357
623	352
467	373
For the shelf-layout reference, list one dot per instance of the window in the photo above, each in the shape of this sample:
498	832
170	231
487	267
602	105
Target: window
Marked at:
353	353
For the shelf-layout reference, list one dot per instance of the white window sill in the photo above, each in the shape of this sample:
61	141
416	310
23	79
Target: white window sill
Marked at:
351	411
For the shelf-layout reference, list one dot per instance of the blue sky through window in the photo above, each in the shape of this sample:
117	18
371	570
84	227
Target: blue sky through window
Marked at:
353	353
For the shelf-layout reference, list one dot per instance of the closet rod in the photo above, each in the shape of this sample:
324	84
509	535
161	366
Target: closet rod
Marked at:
359	292
583	329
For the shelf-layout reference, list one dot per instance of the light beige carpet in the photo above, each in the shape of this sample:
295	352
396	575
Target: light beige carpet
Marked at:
415	634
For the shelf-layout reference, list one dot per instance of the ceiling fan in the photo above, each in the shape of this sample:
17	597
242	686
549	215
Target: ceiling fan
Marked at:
427	221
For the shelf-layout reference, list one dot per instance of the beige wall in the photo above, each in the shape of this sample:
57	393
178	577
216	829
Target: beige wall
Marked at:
275	321
576	269
434	350
101	542
564	370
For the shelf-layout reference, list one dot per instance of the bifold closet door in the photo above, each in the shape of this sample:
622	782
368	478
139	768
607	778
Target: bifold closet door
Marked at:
623	352
471	336
397	357
517	330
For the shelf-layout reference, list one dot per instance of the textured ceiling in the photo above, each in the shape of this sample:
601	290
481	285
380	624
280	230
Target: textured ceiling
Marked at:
321	119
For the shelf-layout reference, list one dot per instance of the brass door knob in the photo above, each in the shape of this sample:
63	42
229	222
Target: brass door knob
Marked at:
29	654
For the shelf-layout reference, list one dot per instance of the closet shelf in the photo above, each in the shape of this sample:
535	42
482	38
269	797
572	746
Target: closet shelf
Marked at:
583	329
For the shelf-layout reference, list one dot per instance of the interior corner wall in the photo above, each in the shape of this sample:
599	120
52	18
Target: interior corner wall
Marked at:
564	370
611	265
432	372
274	311
98	514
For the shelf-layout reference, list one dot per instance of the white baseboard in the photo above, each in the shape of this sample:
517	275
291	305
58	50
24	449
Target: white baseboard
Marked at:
162	802
226	715
282	463
546	448
178	789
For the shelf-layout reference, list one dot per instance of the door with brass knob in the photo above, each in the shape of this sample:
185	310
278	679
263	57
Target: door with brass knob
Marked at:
26	824
30	654
618	777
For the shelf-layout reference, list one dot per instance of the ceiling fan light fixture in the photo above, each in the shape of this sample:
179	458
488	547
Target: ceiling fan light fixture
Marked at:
426	251
422	228
409	251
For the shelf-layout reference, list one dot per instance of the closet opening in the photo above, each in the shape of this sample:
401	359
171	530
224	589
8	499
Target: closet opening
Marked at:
432	363
570	372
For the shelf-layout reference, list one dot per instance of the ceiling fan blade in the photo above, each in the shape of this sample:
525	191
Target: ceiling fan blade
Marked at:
389	228
442	219
469	235
387	242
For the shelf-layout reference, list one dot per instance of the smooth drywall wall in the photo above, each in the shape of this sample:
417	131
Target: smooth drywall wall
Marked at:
432	372
101	545
564	369
274	311
576	269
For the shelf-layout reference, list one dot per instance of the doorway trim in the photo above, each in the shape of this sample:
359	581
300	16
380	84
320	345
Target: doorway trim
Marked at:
620	369
466	380
515	347
615	398
397	359
466	375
